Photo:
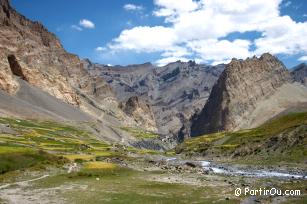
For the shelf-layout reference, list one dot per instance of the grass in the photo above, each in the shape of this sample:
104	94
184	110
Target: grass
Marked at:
128	186
74	157
99	165
71	143
140	133
21	159
268	144
28	146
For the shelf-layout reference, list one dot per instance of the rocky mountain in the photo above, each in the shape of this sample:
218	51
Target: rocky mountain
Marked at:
39	79
299	73
174	92
248	93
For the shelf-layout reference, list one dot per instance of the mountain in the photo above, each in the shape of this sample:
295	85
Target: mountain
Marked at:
40	80
248	93
299	73
44	81
280	139
174	92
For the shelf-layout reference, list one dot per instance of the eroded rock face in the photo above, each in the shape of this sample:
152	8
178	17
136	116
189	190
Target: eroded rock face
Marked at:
299	73
29	51
240	87
141	111
175	92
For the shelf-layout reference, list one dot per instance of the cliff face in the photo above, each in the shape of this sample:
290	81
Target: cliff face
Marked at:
29	51
174	92
299	73
241	86
138	109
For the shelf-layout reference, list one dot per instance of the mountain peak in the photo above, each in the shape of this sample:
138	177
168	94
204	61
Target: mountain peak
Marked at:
5	3
236	93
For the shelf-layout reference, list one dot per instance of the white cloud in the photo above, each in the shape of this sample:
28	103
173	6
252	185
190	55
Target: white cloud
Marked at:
282	35
99	49
220	51
75	27
133	7
145	39
167	60
199	29
171	8
303	58
86	24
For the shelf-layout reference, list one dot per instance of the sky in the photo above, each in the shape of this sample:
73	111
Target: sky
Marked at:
122	32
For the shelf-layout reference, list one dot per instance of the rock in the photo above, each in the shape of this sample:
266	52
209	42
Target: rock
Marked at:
6	129
241	88
140	111
174	92
190	164
299	73
33	61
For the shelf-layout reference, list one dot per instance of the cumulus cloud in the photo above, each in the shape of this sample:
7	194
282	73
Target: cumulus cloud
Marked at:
86	24
220	51
199	30
133	7
145	39
303	58
99	49
282	35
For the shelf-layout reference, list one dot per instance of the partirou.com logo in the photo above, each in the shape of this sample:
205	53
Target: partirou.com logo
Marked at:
266	192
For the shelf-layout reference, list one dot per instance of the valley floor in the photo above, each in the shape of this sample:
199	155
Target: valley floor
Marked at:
150	185
46	162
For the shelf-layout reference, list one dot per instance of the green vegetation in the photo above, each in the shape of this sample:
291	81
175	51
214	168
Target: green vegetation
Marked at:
38	144
280	140
140	133
27	147
128	186
16	157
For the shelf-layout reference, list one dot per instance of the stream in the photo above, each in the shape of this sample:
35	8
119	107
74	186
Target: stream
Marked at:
235	171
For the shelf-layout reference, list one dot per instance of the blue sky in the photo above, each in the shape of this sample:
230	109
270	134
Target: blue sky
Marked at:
160	31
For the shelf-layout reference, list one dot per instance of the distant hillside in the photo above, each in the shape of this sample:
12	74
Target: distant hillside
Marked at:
248	93
175	92
299	73
282	139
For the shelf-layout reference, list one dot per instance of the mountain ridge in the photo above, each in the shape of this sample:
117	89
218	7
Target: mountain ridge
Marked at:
243	85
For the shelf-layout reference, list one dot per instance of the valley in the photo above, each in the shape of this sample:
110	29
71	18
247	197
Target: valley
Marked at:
76	131
63	164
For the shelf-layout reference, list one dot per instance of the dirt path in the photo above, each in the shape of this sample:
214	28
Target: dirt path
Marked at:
23	183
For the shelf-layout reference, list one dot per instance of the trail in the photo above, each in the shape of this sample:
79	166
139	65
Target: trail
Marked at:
23	182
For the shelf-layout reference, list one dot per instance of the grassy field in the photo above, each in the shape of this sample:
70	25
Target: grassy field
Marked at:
280	140
39	148
43	143
128	186
140	133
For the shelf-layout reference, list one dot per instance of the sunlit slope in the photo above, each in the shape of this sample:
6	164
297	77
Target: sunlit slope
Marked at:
281	140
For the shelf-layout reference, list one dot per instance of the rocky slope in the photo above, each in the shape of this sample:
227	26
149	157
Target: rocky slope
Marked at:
44	81
299	73
136	108
246	92
29	51
174	92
